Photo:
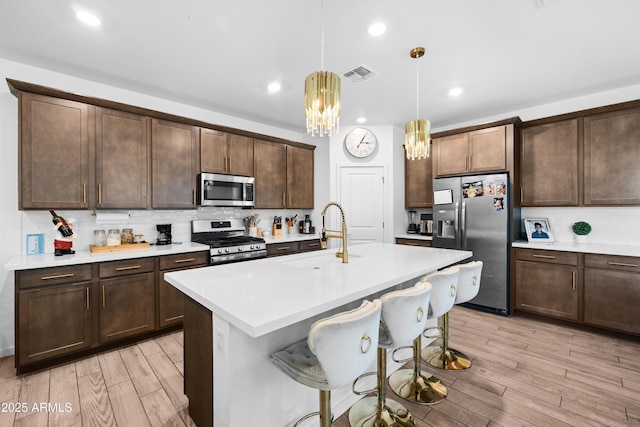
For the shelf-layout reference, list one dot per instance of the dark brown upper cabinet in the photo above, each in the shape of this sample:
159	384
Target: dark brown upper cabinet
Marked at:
222	152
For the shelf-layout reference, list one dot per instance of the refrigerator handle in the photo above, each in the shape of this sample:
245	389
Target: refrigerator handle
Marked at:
457	228
463	225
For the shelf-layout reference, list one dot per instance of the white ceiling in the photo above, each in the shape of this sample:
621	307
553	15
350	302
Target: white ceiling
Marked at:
507	54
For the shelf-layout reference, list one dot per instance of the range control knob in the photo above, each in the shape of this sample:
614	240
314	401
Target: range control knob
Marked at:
227	250
240	248
220	251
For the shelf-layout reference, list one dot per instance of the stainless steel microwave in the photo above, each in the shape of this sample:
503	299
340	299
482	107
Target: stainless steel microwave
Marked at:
225	190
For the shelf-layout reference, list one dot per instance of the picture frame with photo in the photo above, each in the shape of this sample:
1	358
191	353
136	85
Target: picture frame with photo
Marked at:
538	230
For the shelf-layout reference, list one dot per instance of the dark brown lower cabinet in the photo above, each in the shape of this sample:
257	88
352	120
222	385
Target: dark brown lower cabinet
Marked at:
612	292
413	242
127	306
547	283
53	321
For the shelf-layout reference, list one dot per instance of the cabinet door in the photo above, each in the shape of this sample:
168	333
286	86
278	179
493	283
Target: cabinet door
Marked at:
487	150
611	299
175	164
413	242
270	173
122	160
299	178
549	164
53	321
213	151
170	303
54	153
418	183
548	289
240	153
127	306
611	153
450	154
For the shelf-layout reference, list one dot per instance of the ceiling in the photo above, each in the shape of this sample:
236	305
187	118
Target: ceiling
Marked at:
507	55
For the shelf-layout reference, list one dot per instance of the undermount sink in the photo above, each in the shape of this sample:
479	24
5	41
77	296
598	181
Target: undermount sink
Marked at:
318	262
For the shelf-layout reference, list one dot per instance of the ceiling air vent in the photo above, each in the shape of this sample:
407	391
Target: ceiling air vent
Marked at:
360	73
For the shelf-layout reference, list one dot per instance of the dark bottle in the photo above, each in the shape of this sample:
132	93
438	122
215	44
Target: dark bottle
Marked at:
64	228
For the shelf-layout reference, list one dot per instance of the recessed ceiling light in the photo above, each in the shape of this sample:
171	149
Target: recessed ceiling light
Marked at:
456	91
377	28
88	18
361	120
273	87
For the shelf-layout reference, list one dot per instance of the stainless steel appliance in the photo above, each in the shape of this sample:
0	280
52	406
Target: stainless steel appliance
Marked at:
225	190
164	234
413	227
472	213
426	224
227	241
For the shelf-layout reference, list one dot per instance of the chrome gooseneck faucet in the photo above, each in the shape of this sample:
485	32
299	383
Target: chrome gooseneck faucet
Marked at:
343	253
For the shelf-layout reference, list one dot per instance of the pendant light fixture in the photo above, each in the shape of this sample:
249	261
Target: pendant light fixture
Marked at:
322	98
417	137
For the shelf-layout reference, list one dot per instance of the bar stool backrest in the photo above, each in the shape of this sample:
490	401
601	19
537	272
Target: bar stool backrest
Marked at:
404	314
468	281
346	343
443	293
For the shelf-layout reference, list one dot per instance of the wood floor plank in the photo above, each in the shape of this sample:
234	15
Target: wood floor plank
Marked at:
149	347
88	365
10	389
171	347
7	369
126	405
94	401
34	390
113	369
140	372
35	419
63	395
160	409
7	417
170	378
602	417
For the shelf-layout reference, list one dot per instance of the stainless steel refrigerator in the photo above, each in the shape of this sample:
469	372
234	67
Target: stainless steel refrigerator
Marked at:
472	213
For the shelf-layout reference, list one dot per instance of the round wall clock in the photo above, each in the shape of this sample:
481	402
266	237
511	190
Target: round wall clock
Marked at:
360	142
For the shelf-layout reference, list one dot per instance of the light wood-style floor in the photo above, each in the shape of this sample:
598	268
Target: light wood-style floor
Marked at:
525	373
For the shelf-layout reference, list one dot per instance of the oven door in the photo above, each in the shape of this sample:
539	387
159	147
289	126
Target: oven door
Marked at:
225	190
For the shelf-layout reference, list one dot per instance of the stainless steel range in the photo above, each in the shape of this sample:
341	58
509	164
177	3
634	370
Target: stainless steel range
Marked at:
227	241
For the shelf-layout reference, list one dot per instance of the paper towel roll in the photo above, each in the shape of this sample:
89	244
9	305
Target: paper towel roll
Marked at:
111	217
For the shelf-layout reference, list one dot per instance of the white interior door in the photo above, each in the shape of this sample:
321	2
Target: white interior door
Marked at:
362	198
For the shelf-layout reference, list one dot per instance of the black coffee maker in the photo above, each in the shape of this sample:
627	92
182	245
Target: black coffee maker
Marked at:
164	234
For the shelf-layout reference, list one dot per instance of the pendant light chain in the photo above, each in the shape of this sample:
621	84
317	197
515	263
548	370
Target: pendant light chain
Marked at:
417	89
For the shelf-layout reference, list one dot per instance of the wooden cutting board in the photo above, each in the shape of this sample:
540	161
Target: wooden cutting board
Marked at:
127	247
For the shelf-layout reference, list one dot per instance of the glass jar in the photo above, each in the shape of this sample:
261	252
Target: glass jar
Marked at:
127	236
113	239
99	238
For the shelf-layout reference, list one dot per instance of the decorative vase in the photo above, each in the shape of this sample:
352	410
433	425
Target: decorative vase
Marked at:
580	239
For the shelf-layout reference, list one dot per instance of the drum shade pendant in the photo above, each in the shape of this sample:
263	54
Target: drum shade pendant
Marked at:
322	98
417	137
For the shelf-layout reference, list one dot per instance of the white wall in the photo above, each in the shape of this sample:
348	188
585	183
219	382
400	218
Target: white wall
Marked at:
16	224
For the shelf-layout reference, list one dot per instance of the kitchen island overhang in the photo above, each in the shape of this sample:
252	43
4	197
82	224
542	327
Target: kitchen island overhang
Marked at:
260	306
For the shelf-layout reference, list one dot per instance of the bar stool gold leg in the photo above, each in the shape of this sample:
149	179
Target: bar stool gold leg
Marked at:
378	411
443	357
415	385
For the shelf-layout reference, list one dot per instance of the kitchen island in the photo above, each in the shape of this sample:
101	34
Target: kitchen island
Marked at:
261	306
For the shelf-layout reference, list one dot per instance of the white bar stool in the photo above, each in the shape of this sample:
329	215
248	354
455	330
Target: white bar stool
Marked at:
415	385
442	356
404	316
337	350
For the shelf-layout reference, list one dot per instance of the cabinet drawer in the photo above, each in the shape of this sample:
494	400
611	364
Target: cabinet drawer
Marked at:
554	257
53	276
183	260
413	242
613	262
276	249
309	245
124	267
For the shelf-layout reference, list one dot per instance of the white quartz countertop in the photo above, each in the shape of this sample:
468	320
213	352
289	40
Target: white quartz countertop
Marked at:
413	236
262	296
587	248
26	262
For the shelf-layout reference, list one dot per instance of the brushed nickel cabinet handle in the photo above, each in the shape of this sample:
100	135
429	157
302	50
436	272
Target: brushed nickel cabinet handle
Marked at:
87	289
573	280
57	276
131	267
178	261
104	302
621	264
544	256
